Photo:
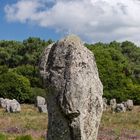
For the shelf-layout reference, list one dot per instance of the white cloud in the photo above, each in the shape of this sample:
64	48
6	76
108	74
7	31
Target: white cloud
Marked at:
93	20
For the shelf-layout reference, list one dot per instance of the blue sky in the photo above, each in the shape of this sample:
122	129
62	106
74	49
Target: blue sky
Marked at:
92	20
20	31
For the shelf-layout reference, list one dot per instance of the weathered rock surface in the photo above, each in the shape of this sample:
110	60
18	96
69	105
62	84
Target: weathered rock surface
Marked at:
13	106
113	104
41	104
129	105
1	102
44	60
4	102
40	101
43	108
120	108
105	104
75	100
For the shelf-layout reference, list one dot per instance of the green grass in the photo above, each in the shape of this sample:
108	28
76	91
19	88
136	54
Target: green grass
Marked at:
32	123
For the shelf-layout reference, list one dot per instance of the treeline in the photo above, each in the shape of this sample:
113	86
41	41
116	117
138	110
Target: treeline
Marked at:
118	65
19	73
119	69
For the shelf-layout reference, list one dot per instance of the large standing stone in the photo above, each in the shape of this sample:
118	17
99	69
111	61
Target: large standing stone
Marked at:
75	100
44	60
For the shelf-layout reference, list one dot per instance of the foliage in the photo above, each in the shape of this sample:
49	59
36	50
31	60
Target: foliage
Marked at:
15	86
31	72
21	58
118	70
118	65
3	69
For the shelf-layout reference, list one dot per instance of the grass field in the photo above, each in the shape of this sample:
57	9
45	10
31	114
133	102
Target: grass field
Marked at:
118	126
28	122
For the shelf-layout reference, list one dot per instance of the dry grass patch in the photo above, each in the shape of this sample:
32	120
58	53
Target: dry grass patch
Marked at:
120	126
29	121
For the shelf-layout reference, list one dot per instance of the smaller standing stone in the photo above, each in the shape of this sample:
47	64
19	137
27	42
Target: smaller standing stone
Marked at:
40	101
4	102
1	102
41	104
113	104
13	106
105	104
120	108
129	105
43	108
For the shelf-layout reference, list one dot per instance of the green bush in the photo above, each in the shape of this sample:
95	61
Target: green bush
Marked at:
118	65
119	69
26	137
30	72
15	86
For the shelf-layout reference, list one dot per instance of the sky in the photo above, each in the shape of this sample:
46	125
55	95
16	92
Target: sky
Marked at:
92	20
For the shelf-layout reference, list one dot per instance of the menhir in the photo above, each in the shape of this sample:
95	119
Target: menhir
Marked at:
75	97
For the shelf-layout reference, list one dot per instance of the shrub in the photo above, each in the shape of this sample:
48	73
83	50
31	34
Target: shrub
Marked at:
15	86
30	72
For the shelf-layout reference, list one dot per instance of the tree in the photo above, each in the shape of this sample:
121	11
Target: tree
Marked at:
116	69
14	86
30	72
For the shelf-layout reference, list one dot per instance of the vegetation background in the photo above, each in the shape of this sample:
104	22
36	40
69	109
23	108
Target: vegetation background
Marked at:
118	65
119	70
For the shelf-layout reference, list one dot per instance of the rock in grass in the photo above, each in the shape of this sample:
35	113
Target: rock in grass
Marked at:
105	104
129	105
43	108
75	100
13	106
113	104
120	108
40	101
41	104
3	102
